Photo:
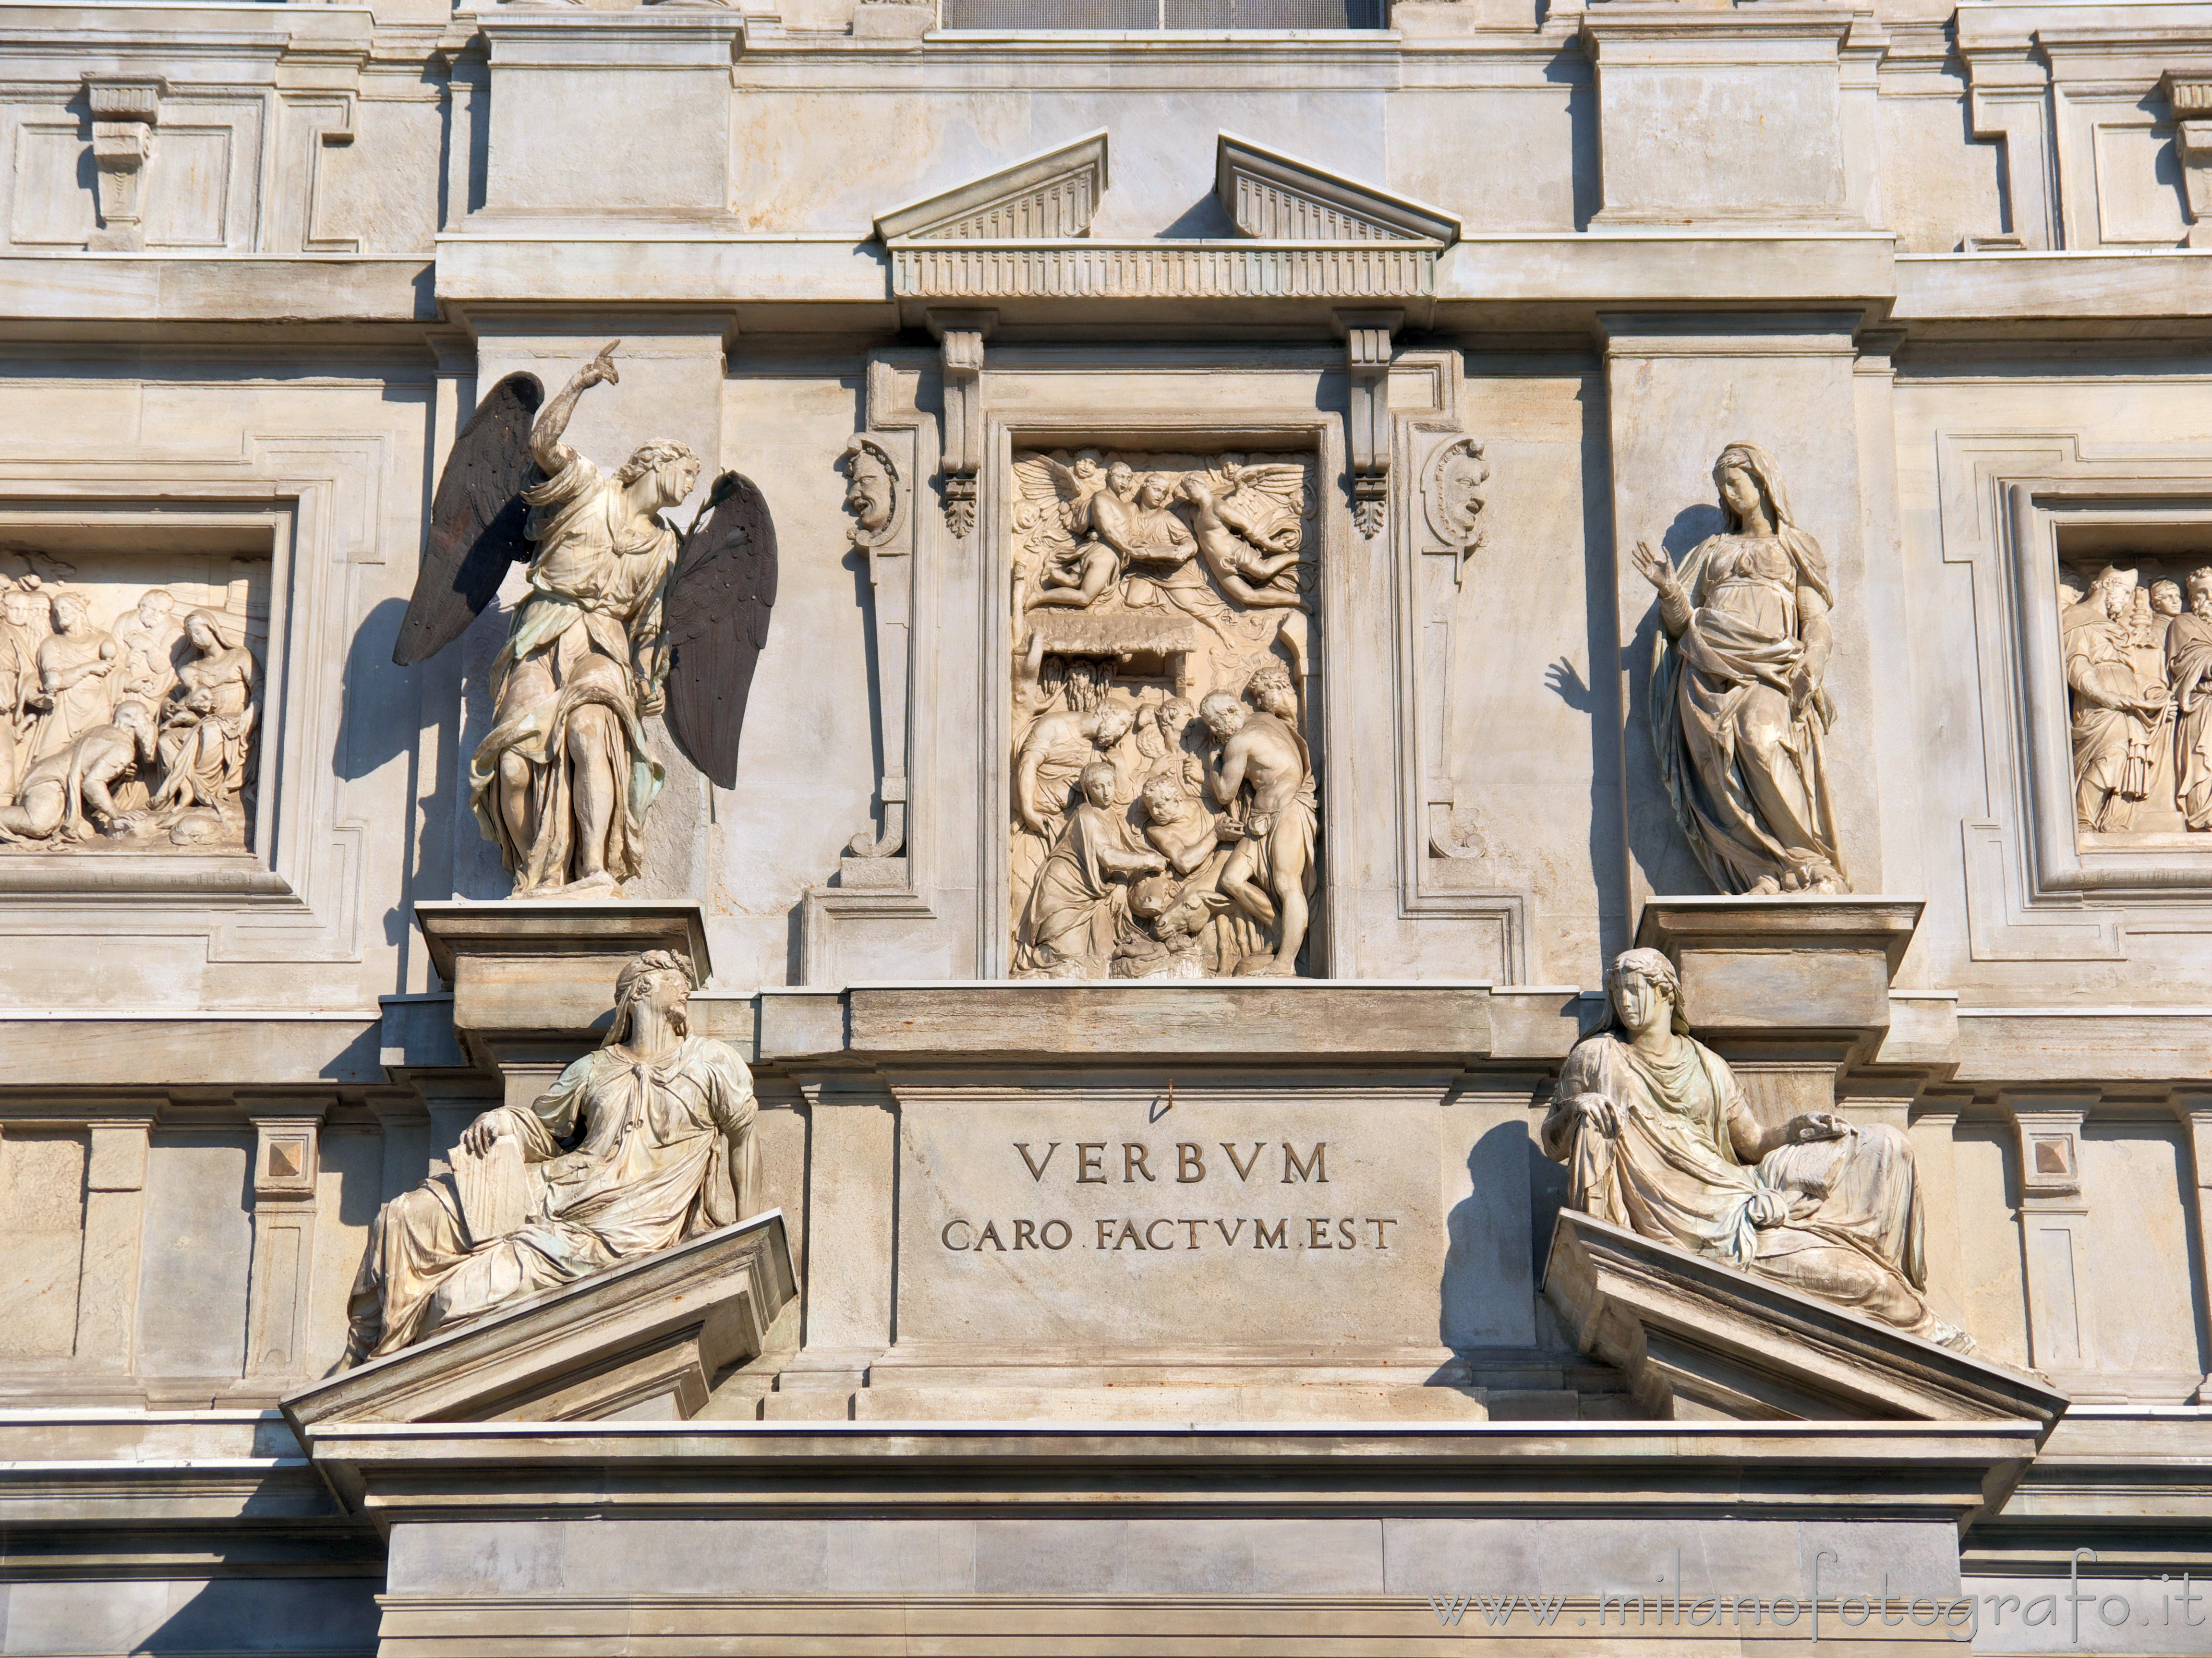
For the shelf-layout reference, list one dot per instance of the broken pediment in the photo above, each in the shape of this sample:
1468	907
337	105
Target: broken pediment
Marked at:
643	1340
1304	233
1048	197
1699	1339
1271	197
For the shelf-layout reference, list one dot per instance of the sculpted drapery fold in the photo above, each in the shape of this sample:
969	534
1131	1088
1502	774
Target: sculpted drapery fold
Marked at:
1659	1138
662	1125
1739	707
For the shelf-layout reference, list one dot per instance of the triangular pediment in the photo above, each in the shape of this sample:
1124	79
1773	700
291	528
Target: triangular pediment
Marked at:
644	1338
1697	1338
1274	198
1048	197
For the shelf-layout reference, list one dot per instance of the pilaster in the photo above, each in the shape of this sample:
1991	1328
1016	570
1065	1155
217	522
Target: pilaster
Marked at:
2054	1227
852	1247
286	1164
115	1226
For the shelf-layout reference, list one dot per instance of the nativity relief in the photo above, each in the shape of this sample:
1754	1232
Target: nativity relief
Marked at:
2136	647
130	709
1164	801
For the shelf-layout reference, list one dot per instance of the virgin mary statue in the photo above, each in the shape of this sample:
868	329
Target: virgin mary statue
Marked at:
1738	706
1660	1139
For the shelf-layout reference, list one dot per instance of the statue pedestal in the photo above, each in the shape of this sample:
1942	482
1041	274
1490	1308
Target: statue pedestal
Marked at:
534	979
1699	1340
644	1340
1790	991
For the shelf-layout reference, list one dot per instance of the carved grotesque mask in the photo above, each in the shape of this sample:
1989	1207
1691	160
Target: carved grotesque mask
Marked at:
1461	479
869	494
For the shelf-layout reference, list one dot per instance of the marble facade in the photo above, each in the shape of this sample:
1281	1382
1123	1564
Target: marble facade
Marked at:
1235	612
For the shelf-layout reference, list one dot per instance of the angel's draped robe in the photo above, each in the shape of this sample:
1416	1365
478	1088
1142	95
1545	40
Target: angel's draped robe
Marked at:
667	1155
1853	1229
595	583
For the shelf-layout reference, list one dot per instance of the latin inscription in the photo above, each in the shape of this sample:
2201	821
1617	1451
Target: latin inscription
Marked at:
1241	1164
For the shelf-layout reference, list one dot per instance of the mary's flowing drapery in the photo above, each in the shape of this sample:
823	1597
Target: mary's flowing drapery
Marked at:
1745	770
667	1154
1844	1218
594	603
208	727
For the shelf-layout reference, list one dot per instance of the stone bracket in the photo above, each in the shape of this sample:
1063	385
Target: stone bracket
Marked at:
2191	97
544	969
1367	348
125	112
960	337
1790	990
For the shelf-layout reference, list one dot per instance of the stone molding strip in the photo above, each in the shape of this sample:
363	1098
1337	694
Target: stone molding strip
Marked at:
1224	271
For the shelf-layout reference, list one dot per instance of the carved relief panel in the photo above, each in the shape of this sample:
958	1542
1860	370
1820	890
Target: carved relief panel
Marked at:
130	694
1164	796
2136	646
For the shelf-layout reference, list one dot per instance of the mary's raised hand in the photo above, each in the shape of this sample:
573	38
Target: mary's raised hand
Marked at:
1654	566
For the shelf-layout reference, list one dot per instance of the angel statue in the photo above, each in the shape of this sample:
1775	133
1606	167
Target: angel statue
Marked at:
623	619
1739	709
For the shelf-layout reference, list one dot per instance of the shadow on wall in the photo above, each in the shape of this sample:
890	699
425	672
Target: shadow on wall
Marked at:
1495	1240
1600	702
378	714
1655	841
319	1616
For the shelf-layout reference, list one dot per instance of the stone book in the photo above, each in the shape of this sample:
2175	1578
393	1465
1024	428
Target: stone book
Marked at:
495	1193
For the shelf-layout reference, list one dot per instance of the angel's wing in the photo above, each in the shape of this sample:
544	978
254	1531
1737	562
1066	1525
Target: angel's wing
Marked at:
1285	482
1042	479
715	617
476	521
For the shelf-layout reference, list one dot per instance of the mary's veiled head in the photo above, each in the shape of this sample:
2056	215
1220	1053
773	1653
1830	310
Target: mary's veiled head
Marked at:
1746	475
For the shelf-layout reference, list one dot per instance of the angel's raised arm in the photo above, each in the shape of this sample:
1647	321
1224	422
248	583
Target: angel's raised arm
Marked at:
546	448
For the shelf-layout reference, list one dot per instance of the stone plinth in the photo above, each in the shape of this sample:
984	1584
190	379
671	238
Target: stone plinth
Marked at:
642	1341
1788	990
1311	1021
1698	1340
539	972
607	1539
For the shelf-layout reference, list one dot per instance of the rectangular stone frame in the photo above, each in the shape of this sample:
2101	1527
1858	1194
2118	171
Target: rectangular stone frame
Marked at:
2035	513
296	897
1056	423
2032	895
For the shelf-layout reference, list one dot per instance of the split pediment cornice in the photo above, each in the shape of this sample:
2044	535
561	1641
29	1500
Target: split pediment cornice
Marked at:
1022	232
1047	196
